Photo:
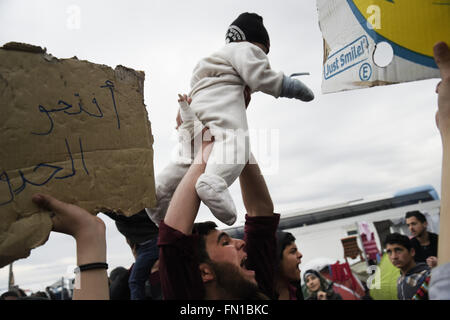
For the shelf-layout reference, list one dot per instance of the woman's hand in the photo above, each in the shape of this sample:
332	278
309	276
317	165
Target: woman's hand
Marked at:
321	295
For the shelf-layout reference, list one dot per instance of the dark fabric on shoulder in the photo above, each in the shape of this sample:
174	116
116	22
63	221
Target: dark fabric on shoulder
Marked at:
334	296
299	292
434	239
422	253
178	265
261	248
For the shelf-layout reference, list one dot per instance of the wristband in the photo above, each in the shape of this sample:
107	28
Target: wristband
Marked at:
91	266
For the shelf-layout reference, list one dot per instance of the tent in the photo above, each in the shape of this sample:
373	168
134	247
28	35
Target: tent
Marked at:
345	282
384	282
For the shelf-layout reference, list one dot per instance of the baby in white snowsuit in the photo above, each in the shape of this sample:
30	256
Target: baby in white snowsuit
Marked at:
217	94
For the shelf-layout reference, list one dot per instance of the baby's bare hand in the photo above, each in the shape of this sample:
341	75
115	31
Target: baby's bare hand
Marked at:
184	97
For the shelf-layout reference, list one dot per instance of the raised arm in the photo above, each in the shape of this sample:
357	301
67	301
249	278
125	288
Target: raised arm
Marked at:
89	233
442	57
260	227
185	202
255	194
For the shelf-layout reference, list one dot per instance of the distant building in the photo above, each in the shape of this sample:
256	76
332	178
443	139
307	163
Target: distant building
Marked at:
319	231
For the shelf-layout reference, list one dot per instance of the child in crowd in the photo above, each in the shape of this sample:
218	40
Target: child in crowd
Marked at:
217	100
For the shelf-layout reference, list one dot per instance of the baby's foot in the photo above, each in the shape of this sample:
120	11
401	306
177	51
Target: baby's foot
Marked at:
213	191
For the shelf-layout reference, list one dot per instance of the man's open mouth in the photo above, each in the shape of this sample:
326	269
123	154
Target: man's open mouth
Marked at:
244	263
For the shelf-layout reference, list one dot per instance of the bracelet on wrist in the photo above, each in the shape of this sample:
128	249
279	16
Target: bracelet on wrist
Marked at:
91	266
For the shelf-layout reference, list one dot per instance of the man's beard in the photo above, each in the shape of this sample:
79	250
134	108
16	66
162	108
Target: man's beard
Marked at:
420	234
230	280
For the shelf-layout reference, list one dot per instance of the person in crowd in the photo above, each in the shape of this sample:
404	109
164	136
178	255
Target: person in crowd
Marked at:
401	253
41	295
50	293
141	234
440	278
424	242
316	287
118	284
10	295
288	283
14	292
201	262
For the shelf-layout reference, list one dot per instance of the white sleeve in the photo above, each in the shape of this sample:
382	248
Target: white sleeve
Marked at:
440	283
253	67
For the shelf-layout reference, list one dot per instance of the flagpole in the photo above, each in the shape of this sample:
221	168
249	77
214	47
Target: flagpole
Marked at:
11	278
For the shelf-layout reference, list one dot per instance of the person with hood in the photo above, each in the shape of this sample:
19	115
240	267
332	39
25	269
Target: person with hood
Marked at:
316	287
288	283
412	275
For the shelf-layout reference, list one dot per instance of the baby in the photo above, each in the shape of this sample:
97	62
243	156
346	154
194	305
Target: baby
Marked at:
217	100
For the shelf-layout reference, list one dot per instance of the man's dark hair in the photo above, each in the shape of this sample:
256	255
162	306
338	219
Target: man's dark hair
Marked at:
20	292
397	238
40	294
9	294
283	240
119	288
419	215
203	229
116	272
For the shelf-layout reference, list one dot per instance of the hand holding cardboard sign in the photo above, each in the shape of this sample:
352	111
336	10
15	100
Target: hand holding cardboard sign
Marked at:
89	233
73	220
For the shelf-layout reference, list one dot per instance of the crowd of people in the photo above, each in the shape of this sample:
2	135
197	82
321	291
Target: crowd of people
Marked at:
16	293
177	259
415	258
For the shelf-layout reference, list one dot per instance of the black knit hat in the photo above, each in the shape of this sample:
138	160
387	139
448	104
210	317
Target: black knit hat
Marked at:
248	27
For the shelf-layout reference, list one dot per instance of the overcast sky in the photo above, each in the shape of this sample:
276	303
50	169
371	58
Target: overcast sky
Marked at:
339	147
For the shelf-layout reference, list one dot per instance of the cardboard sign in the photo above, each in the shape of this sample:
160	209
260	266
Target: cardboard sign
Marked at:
378	42
72	129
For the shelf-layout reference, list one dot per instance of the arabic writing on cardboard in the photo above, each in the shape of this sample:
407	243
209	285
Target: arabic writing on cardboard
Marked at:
73	129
